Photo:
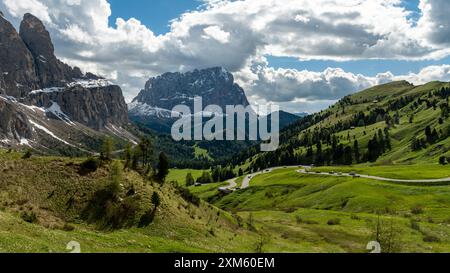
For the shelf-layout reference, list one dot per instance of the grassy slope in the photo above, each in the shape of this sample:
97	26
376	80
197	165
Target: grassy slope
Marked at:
179	175
278	199
45	185
414	172
402	134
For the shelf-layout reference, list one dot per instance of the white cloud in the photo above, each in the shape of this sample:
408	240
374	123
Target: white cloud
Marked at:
237	34
216	33
434	25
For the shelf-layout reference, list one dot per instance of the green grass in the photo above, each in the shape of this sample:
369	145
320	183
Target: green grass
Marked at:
286	210
201	153
52	188
404	172
277	200
179	175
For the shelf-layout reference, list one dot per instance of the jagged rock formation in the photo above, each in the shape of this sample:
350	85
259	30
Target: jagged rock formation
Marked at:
153	106
214	85
93	107
50	71
16	63
38	92
13	123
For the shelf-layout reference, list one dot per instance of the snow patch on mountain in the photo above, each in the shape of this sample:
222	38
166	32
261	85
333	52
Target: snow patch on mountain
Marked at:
90	83
143	109
48	132
55	110
48	90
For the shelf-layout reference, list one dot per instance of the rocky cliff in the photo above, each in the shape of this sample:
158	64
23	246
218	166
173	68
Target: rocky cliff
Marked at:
16	63
14	124
31	73
95	107
214	85
44	102
50	71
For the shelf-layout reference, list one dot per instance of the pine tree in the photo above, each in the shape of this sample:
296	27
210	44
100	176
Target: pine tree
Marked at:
146	151
163	167
128	156
156	200
107	149
189	180
356	150
348	155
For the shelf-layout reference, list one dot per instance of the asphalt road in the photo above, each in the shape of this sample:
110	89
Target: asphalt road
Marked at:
307	170
304	171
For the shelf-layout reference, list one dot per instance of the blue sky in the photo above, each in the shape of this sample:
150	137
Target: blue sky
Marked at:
157	14
239	36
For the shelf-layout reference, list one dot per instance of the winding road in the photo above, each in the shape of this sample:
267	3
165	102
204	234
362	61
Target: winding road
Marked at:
355	175
232	185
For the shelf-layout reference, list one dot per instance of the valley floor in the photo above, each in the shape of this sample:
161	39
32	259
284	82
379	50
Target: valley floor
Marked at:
331	213
282	210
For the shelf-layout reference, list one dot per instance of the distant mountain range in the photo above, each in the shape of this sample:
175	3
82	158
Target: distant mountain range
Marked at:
153	106
51	107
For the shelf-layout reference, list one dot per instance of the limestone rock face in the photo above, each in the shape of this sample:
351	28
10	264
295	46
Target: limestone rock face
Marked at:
13	124
215	86
95	107
51	71
18	75
48	106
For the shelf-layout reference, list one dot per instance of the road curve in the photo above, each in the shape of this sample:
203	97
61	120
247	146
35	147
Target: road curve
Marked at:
231	185
304	171
307	170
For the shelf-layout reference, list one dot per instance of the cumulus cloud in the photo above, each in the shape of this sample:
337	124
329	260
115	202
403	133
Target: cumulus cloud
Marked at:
238	34
434	24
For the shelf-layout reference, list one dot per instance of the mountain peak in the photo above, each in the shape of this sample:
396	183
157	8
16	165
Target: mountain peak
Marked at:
215	85
51	71
16	62
36	37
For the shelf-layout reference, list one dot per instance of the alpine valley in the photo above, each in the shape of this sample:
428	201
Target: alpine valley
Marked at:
79	165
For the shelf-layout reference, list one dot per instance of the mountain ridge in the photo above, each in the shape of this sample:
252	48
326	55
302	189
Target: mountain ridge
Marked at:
45	100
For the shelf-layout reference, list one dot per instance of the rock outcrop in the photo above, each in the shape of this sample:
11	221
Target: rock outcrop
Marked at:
50	71
215	86
16	63
48	105
95	107
31	73
14	125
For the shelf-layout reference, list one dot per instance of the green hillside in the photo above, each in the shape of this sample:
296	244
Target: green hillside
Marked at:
340	214
46	202
395	123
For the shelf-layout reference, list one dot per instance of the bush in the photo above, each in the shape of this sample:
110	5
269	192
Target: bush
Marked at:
415	225
108	211
68	227
417	210
269	194
431	239
334	222
29	217
27	154
147	218
90	165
